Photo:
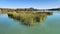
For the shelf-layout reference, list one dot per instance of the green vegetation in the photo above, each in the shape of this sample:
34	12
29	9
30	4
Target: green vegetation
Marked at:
29	18
55	9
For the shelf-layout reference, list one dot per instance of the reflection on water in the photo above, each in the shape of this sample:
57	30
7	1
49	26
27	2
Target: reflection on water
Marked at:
43	23
30	18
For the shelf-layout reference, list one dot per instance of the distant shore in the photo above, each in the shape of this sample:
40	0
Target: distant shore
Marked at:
24	9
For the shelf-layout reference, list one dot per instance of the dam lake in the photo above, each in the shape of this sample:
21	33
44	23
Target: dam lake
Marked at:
49	24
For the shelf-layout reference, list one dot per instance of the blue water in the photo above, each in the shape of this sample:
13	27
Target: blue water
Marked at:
51	25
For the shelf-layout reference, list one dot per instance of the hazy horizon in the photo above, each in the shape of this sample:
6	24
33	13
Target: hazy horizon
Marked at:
40	4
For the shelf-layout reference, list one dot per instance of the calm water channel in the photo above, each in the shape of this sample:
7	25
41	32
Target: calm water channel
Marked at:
49	24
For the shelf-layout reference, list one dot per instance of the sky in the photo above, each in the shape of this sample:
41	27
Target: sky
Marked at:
40	4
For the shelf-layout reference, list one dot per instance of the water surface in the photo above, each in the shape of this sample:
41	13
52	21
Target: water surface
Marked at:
49	25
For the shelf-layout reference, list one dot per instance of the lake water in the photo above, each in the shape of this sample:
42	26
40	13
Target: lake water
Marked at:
49	25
